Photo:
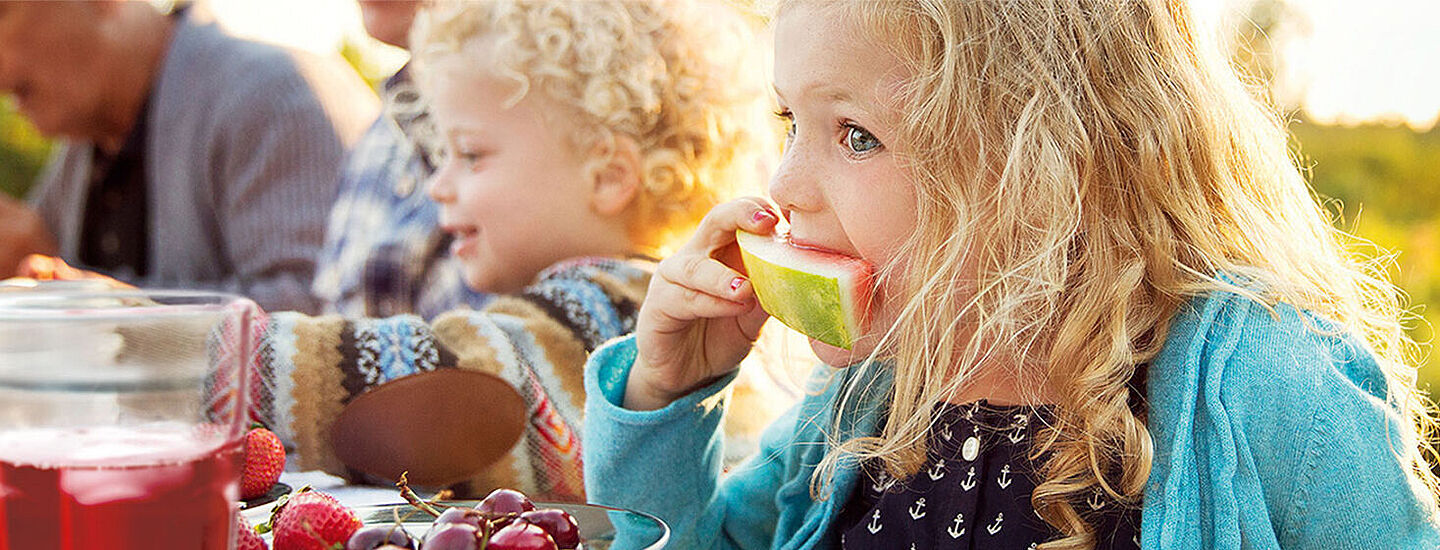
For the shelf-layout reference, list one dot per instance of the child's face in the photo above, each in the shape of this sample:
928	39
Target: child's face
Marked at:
512	191
839	182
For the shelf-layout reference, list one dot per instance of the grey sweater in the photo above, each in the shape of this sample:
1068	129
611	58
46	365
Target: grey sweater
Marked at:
242	156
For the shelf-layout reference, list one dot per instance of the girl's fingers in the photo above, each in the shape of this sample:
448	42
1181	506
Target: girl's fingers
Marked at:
682	305
706	275
717	230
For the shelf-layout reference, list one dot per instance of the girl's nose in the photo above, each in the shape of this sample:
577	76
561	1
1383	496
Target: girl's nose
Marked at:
794	186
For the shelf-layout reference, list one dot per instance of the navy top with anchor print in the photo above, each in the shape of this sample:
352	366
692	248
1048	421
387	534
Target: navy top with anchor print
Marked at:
972	492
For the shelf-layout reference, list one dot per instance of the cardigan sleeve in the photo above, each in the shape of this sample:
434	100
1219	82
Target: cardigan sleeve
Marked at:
1272	430
667	462
1350	486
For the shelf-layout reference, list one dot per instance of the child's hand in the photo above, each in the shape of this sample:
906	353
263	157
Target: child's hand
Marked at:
700	316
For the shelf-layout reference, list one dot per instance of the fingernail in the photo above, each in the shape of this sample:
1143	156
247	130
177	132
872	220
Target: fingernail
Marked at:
736	282
762	215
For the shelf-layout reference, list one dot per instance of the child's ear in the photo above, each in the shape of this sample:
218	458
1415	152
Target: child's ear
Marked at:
614	175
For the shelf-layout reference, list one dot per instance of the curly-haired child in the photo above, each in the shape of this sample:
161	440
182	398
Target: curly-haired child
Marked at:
1109	314
581	139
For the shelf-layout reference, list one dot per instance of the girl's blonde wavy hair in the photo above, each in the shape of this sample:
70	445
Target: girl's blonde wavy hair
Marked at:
1085	167
676	76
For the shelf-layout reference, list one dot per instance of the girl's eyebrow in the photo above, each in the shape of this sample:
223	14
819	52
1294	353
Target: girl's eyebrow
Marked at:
830	93
826	92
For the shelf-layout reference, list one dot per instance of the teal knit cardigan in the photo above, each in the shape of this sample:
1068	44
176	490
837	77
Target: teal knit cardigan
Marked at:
1268	432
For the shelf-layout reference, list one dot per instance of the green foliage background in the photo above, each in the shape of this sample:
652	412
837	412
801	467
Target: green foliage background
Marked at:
1383	181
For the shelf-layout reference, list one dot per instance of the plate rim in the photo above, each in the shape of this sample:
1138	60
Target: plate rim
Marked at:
257	502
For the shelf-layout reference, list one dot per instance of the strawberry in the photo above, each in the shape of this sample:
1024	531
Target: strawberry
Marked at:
245	536
264	460
311	520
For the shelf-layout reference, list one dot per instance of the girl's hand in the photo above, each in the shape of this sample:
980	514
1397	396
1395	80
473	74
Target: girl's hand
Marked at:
700	316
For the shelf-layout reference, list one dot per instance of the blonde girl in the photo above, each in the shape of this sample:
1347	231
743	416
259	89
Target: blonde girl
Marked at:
1110	312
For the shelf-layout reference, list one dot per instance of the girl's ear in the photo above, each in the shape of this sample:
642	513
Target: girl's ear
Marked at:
614	175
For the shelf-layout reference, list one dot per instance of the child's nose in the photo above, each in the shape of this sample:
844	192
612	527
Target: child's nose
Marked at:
794	185
439	188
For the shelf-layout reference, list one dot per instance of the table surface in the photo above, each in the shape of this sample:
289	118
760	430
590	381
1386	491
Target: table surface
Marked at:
349	495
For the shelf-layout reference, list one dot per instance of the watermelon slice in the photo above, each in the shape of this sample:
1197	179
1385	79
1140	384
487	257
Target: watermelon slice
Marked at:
824	295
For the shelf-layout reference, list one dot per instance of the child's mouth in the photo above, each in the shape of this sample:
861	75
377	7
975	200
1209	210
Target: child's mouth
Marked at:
464	239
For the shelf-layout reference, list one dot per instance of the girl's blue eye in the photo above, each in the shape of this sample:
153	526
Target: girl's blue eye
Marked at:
860	140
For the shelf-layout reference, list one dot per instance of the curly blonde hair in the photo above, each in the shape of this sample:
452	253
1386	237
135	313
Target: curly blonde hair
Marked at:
1085	167
678	77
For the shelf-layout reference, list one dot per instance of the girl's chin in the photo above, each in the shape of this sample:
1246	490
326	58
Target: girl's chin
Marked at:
839	357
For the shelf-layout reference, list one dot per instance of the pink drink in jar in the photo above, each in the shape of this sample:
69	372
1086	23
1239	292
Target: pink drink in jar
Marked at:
121	488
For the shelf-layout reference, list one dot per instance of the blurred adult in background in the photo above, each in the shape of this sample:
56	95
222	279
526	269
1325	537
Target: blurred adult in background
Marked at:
384	252
187	157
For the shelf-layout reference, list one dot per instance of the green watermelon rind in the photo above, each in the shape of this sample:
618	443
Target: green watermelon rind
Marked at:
807	291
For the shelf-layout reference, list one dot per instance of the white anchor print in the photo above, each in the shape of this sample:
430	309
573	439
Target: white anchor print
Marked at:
956	530
970	413
1096	501
912	546
969	482
918	510
1021	421
1004	480
937	471
945	432
995	527
874	526
883	484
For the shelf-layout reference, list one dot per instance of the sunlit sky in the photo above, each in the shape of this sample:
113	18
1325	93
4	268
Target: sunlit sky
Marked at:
1344	61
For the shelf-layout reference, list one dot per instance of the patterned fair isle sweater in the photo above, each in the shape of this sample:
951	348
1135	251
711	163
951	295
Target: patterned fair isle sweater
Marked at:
537	340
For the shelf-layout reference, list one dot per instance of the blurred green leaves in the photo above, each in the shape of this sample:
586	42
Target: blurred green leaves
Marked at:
1385	184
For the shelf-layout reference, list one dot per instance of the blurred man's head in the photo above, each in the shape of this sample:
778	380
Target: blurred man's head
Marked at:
77	69
389	20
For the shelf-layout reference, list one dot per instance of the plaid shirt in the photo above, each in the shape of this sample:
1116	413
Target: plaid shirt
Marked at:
384	253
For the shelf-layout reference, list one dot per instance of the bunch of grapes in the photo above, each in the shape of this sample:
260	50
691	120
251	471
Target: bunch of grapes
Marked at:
505	520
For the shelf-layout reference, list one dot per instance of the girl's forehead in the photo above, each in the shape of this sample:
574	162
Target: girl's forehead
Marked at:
824	53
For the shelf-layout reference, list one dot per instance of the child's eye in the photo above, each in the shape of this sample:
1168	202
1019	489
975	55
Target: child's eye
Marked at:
468	159
860	140
789	118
